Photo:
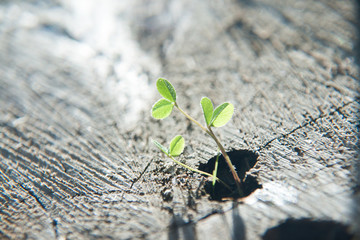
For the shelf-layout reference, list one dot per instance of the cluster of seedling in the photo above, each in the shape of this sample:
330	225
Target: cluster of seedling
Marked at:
213	118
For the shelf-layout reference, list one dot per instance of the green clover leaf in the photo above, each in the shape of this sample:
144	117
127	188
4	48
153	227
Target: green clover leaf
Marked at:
207	108
177	145
162	109
222	114
166	89
161	147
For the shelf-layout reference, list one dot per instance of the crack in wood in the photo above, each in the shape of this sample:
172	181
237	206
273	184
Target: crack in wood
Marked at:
307	122
136	179
32	193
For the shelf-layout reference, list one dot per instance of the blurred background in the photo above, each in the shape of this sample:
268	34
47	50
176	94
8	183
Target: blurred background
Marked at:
77	82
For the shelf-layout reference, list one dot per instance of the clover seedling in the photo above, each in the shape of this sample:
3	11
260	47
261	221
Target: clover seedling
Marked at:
217	117
176	147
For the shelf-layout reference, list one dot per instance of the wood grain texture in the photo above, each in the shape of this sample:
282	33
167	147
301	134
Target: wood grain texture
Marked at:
77	81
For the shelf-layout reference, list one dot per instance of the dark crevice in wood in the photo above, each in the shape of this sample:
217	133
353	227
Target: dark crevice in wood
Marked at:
136	179
141	174
243	161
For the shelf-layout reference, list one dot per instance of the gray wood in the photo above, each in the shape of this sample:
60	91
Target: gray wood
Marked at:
77	81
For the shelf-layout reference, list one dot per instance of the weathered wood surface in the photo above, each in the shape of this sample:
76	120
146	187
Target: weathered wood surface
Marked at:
77	84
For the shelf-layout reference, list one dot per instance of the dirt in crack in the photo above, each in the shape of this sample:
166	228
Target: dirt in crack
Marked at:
243	160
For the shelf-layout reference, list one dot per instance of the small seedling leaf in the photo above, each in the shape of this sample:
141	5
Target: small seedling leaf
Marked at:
161	147
162	109
166	89
222	114
207	108
177	145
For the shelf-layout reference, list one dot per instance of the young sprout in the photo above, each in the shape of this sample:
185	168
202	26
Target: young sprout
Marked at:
213	118
176	147
215	171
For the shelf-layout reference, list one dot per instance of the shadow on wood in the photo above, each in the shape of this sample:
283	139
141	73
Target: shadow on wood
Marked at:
180	229
308	229
238	231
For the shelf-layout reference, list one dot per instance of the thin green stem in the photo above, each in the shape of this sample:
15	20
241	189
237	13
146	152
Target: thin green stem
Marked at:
228	161
223	152
191	119
215	170
198	171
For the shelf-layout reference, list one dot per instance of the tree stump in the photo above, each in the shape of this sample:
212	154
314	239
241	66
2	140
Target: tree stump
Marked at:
77	82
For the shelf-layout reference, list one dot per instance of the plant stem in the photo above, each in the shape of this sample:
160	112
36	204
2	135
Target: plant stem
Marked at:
215	170
198	171
228	161
192	119
223	152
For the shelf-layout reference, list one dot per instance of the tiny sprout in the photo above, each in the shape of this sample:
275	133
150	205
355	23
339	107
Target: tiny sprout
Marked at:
213	118
177	145
220	116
